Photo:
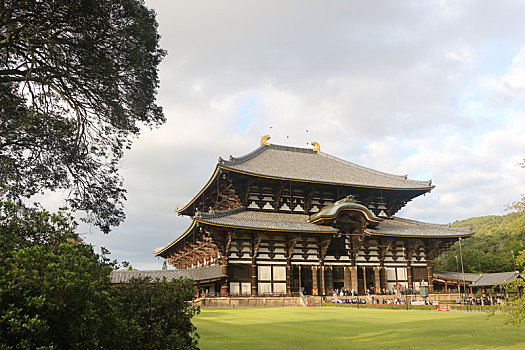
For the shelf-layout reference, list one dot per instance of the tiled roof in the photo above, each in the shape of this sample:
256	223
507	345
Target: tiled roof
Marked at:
492	279
304	164
480	279
198	274
268	221
411	228
455	276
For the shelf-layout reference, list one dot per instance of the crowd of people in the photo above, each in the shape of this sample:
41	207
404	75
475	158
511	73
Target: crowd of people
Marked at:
482	301
343	292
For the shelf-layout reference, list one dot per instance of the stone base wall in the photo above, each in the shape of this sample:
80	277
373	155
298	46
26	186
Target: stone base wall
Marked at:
250	301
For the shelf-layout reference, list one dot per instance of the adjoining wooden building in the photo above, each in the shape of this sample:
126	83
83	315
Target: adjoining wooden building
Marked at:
281	219
206	278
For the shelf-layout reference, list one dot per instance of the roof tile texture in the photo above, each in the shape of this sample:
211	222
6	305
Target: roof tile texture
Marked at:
197	274
299	223
306	165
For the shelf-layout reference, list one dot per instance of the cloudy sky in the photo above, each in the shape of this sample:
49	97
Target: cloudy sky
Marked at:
432	89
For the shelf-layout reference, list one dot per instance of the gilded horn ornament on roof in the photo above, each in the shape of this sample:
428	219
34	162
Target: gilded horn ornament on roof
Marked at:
317	146
264	140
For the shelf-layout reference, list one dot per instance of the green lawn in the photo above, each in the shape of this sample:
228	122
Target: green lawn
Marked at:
349	328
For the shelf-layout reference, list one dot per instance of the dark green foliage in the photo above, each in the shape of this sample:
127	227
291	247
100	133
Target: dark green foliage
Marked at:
77	80
54	290
157	315
55	293
489	250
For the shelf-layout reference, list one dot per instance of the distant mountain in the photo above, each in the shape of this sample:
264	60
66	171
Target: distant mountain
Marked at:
489	250
485	225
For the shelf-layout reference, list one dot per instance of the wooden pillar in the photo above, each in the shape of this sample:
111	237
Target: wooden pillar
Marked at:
430	278
288	276
348	281
254	276
323	285
224	286
355	286
364	278
329	280
446	286
377	279
385	278
409	274
300	282
315	290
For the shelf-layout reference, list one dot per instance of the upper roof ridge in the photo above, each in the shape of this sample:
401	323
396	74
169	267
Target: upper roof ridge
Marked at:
237	160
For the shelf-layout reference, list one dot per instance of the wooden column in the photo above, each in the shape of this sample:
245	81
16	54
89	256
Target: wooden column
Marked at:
385	278
409	274
288	276
364	278
288	253
348	281
224	286
329	280
256	242
354	285
300	282
254	276
430	279
315	290
377	279
324	242
323	285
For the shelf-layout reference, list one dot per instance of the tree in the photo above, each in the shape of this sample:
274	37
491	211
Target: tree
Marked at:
157	315
515	308
489	250
55	292
77	81
516	220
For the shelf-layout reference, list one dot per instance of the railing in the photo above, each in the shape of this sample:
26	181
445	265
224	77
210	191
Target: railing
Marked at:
303	299
218	294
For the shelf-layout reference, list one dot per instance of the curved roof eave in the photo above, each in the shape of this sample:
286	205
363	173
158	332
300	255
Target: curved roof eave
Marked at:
428	188
235	161
261	229
189	230
210	181
419	236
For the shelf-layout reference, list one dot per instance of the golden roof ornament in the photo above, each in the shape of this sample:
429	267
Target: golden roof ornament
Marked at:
317	146
264	140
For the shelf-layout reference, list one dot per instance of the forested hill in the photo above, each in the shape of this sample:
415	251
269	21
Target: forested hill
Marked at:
489	250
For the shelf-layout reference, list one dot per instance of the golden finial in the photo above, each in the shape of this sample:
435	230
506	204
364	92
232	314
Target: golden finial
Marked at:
317	146
264	140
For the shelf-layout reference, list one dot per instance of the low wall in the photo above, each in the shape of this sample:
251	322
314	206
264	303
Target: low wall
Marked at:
250	301
444	297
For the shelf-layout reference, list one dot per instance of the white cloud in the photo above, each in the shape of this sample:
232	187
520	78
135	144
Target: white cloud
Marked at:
403	87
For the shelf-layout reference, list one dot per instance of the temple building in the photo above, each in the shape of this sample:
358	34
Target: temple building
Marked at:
282	219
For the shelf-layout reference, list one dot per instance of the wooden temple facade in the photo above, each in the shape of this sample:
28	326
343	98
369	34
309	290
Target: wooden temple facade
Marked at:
281	219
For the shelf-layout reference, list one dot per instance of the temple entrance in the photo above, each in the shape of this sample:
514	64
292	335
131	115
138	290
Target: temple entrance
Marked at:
338	277
360	281
301	279
370	280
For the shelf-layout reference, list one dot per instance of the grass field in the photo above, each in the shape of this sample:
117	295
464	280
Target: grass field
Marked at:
349	328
